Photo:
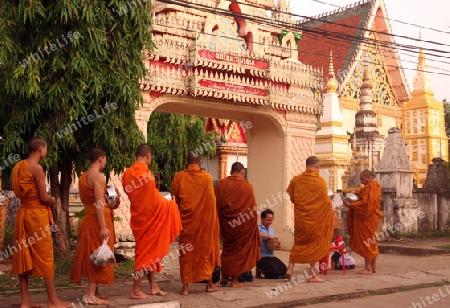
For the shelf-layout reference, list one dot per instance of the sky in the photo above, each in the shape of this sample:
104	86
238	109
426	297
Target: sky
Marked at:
423	14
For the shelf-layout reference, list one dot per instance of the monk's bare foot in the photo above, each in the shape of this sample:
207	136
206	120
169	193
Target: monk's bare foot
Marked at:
59	304
224	282
94	300
237	285
315	279
212	288
185	291
139	295
157	291
288	275
364	272
101	295
31	305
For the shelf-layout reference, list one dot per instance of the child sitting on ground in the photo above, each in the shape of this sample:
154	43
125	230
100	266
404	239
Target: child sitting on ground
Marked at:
269	265
338	240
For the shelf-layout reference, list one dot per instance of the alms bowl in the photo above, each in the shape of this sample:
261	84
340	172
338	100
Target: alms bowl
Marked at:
166	195
112	197
351	197
330	194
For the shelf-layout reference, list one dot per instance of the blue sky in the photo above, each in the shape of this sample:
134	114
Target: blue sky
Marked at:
430	14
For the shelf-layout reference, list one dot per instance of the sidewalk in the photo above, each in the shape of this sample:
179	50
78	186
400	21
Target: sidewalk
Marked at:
394	271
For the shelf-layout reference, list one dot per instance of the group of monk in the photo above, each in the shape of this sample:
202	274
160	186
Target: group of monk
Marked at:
313	217
200	215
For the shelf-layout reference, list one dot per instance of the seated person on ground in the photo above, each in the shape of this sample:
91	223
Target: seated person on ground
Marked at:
269	265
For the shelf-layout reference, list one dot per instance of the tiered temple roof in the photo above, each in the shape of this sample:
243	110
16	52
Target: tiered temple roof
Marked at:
345	31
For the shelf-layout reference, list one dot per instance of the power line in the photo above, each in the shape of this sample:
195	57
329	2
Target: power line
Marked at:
389	57
279	23
389	19
231	14
316	53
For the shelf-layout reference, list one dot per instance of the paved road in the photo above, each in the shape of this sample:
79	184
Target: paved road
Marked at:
436	297
394	271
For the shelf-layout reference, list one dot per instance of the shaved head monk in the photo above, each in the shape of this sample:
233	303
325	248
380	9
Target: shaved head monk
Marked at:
363	219
35	256
194	193
96	226
238	219
313	219
155	222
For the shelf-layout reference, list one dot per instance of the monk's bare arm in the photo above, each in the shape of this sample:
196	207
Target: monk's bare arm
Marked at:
263	235
39	176
99	184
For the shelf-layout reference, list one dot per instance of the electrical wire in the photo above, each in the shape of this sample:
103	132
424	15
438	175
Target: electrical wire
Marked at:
286	25
316	53
396	58
324	33
389	19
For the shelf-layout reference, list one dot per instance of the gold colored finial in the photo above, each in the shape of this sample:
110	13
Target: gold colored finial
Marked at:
421	56
332	83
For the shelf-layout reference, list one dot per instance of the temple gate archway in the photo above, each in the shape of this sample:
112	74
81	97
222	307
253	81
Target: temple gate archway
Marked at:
203	65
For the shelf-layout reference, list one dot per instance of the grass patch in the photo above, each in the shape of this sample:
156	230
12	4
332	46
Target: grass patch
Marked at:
9	283
446	247
123	270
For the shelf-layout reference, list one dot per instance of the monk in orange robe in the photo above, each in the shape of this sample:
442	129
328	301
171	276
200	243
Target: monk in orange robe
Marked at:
194	193
313	219
155	222
33	251
363	219
96	226
236	206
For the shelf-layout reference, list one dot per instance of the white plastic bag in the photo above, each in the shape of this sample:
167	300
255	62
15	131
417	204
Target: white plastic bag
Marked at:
103	255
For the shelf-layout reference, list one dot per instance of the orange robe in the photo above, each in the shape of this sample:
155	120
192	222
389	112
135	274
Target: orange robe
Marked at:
89	239
363	219
194	193
33	249
155	221
313	217
236	206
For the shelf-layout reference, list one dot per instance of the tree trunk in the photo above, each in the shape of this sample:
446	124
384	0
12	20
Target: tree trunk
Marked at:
61	210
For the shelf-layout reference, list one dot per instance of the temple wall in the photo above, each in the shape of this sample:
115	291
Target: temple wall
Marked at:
432	215
428	204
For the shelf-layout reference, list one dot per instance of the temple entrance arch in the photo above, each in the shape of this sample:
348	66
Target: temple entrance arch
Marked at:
266	150
222	64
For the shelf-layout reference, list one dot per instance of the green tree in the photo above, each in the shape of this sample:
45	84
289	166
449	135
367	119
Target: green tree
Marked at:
71	71
171	136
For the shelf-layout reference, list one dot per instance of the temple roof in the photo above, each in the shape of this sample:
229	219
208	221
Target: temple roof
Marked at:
346	40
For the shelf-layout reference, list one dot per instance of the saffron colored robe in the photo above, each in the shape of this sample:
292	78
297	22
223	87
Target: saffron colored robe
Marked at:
194	193
236	206
33	245
363	219
313	217
155	221
89	239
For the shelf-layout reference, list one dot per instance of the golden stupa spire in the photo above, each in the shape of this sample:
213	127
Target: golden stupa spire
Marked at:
421	54
332	83
422	79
